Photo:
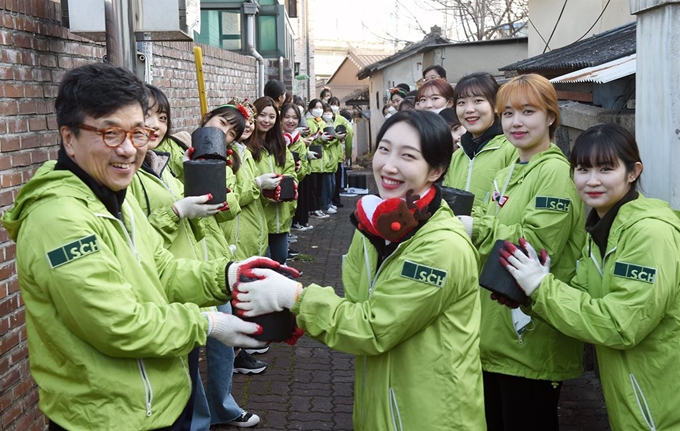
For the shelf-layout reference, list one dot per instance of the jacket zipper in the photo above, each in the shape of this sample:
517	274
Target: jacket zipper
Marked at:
128	236
471	164
278	227
394	408
370	293
646	414
148	390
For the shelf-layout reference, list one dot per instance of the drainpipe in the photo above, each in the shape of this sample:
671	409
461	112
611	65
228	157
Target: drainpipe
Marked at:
281	68
121	47
250	9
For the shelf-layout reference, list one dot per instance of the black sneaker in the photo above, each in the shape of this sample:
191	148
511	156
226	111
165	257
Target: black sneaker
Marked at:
245	363
246	420
258	350
292	252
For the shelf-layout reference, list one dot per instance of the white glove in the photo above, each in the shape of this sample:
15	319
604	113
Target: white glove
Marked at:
326	137
311	155
268	181
468	222
271	292
232	331
187	154
196	207
526	270
238	270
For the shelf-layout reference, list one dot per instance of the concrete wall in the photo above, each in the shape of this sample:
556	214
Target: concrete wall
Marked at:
658	96
35	53
577	18
577	117
459	60
304	49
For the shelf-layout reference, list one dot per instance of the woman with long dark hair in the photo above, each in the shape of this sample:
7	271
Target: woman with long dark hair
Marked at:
272	160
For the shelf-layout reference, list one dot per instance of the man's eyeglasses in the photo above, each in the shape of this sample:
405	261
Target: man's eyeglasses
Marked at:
114	136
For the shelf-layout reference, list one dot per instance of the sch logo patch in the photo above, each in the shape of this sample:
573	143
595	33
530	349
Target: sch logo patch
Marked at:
424	274
552	203
72	251
635	272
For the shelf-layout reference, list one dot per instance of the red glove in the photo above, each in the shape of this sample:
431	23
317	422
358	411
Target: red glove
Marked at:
272	194
297	334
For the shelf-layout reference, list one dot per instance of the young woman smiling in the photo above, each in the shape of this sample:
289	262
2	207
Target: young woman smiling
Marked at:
525	360
435	95
273	160
415	338
625	296
485	150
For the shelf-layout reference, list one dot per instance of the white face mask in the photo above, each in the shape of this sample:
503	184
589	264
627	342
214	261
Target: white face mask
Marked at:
316	113
301	109
392	110
327	118
335	109
437	110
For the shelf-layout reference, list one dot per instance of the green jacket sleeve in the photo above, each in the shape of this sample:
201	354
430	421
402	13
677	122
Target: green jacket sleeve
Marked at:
398	307
232	199
98	304
631	308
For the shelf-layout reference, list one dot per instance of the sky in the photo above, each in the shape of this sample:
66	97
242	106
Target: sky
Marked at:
373	20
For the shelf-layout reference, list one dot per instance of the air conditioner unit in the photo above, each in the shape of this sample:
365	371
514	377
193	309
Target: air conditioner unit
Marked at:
160	19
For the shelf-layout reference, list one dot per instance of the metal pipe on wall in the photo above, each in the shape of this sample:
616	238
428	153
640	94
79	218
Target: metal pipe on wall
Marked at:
121	48
257	55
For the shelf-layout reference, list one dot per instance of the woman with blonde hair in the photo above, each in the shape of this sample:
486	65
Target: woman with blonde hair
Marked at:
524	361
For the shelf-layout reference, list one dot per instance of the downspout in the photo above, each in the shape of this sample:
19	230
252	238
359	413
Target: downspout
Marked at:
250	9
281	68
307	53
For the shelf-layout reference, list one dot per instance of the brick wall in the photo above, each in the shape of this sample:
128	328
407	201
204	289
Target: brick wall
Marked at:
35	52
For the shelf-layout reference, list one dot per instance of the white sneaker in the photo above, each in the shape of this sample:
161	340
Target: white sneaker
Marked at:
292	236
331	210
319	214
334	207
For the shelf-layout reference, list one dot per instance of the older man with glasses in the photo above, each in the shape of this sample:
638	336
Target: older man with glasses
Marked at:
111	316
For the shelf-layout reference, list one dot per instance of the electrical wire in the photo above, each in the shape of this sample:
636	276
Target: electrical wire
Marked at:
556	23
598	18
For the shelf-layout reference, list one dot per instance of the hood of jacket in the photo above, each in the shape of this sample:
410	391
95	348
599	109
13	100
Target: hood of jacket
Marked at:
47	184
639	209
552	155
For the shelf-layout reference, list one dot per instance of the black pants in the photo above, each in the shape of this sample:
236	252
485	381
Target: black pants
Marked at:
183	422
303	208
339	183
515	403
315	185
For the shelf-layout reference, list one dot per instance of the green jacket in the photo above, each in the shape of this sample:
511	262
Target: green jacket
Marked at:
476	174
627	303
110	314
277	214
414	332
543	207
319	166
156	190
300	148
155	196
248	231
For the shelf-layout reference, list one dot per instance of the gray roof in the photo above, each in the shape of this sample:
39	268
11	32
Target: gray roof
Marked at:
429	40
595	50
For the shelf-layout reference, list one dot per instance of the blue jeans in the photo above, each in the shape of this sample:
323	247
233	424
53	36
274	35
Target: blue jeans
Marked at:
327	189
217	405
278	247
